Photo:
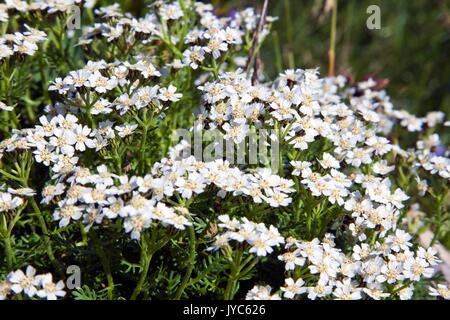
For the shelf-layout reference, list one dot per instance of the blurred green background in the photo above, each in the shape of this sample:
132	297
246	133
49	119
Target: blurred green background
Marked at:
411	49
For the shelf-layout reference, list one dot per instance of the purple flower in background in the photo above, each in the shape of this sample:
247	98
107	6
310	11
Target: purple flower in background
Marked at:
440	150
232	14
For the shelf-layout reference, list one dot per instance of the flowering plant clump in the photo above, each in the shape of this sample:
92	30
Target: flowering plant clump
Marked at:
297	187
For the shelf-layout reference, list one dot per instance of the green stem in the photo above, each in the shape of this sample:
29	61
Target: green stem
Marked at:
332	50
147	251
249	267
234	277
8	252
289	33
43	225
439	200
104	259
143	143
188	273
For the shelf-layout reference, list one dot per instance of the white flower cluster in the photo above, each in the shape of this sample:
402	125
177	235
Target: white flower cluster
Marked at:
441	291
232	105
41	6
31	285
377	271
95	196
308	108
340	158
57	140
211	36
87	88
139	200
261	293
189	176
260	239
381	111
428	159
21	44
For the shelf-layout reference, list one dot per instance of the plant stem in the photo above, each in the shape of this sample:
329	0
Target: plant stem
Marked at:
104	259
439	200
249	267
147	252
43	225
278	54
142	277
188	273
289	34
255	41
234	277
231	284
332	50
8	252
143	143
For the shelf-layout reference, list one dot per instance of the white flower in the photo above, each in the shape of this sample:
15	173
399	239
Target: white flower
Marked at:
299	167
260	245
380	145
442	291
171	11
374	291
193	57
404	293
5	289
100	83
8	202
236	133
227	223
136	224
78	78
145	96
382	167
193	184
415	268
126	130
162	212
25	282
168	94
291	260
328	161
320	290
81	138
429	255
215	46
114	208
65	213
178	221
50	290
63	141
261	293
399	241
3	106
391	272
25	192
293	288
51	191
102	106
345	290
